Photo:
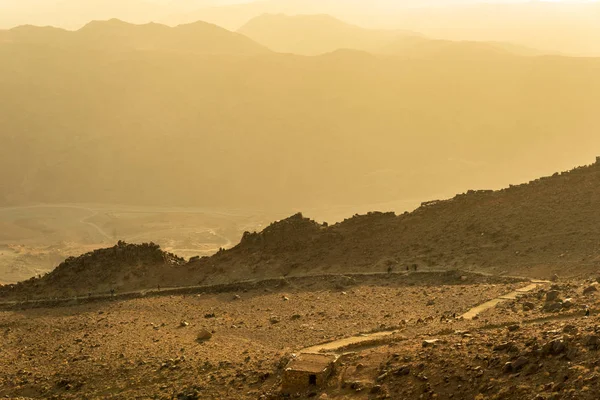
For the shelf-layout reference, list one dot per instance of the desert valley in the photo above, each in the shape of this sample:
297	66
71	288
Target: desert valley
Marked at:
299	199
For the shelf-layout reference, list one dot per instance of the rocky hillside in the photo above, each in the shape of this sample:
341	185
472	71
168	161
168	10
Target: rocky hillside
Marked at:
545	227
120	268
550	225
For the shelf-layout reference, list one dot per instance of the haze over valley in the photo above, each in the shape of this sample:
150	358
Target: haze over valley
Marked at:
223	199
346	120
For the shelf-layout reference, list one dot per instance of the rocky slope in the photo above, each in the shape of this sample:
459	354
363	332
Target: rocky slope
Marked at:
122	267
545	227
149	347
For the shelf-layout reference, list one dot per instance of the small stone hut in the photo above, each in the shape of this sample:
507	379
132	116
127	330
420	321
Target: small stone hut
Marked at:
306	371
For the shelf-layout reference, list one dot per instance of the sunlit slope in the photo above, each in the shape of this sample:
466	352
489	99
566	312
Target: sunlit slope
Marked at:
316	34
284	131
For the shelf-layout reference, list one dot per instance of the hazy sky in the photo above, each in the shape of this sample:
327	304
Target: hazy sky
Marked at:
72	14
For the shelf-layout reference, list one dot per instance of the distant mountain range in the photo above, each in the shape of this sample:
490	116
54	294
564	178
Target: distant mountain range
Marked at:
565	27
318	34
198	37
200	116
559	27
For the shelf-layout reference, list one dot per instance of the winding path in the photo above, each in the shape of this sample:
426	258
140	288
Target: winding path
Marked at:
475	311
373	338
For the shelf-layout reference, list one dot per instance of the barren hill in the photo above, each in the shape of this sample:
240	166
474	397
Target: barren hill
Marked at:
545	227
123	267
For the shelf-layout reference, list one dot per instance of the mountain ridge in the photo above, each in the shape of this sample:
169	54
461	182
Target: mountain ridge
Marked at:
197	37
544	227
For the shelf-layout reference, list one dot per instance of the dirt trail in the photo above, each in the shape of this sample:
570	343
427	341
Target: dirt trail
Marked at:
332	347
473	312
365	339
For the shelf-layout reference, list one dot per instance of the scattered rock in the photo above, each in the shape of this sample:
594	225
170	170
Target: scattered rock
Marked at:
204	335
510	347
552	295
376	389
592	341
528	306
555	347
519	363
430	343
590	289
553	307
402	371
568	303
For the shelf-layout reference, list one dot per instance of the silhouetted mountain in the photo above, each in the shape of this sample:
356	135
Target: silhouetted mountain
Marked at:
565	27
199	37
73	14
233	16
316	34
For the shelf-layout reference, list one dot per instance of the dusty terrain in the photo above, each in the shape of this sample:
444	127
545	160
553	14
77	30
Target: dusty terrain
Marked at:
148	347
99	326
139	348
